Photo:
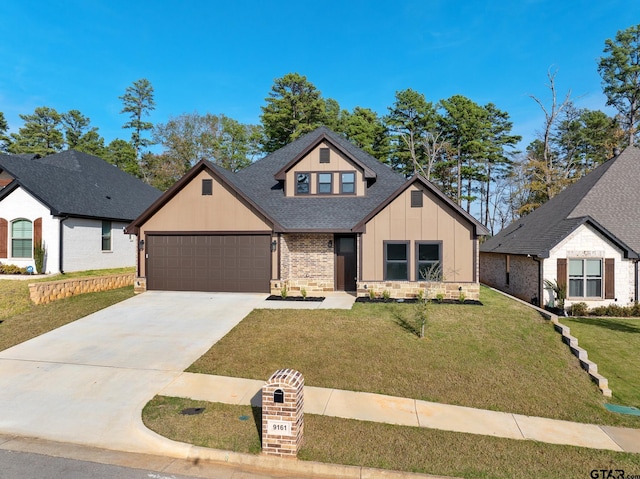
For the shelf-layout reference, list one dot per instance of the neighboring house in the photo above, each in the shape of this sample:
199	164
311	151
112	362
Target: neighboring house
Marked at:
76	204
319	214
587	238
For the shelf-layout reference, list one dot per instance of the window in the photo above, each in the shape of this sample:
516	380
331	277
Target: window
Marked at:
324	183
585	278
416	199
347	183
428	262
324	155
21	239
207	187
302	183
106	236
396	261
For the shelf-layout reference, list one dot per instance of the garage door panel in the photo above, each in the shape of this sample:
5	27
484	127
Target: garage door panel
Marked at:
209	263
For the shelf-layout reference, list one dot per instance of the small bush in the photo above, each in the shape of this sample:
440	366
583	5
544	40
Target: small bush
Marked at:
439	297
579	309
284	292
461	297
303	292
386	295
372	294
12	269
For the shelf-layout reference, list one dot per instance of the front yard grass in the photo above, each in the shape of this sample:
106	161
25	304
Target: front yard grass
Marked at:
501	356
614	345
362	443
21	320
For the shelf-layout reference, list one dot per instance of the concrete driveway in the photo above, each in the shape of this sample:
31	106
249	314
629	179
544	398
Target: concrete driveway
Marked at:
87	382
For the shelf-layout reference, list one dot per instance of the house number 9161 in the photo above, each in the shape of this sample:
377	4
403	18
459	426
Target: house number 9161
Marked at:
279	428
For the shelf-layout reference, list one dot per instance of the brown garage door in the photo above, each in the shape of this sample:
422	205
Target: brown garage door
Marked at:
228	263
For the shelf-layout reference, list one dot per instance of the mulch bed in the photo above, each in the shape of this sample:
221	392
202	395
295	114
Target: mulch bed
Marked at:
364	299
295	298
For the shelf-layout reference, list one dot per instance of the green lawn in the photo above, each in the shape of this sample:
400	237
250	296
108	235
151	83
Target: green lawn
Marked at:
362	443
21	320
614	345
501	356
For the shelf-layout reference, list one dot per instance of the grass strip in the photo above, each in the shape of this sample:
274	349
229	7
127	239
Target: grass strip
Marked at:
384	446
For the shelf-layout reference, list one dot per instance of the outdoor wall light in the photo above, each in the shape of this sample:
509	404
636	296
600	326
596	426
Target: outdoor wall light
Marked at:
330	244
141	245
274	244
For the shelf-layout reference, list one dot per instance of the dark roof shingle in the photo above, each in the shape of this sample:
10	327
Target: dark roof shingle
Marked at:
608	198
72	183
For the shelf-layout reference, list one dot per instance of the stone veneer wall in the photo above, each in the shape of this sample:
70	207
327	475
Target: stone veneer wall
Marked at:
409	289
46	292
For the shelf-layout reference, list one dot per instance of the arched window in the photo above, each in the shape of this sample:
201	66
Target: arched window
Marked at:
21	239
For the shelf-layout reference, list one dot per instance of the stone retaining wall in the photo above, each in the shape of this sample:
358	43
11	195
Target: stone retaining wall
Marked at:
46	292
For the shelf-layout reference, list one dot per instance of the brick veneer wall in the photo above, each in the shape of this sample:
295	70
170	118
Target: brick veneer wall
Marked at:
523	276
409	289
291	411
46	292
306	262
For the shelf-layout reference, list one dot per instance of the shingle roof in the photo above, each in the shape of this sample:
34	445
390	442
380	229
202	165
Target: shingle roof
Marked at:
258	185
608	198
307	214
77	184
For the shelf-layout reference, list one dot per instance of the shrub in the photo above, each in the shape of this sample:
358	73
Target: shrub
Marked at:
303	292
579	309
386	295
284	292
372	294
12	269
39	252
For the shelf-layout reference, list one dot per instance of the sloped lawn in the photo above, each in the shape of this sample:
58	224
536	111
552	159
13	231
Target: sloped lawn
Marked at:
614	345
500	356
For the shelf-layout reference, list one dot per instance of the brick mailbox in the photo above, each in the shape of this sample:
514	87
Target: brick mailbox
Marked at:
282	413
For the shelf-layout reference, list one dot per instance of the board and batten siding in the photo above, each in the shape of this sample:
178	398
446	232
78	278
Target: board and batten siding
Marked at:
191	211
434	221
311	164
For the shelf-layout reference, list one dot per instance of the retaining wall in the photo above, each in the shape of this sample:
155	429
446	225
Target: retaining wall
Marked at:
46	292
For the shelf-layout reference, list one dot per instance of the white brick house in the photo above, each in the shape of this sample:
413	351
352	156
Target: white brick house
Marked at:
76	204
587	238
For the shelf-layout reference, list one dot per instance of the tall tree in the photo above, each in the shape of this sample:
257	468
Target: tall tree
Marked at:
410	119
620	72
138	102
5	140
190	137
499	144
465	125
365	129
40	133
294	107
122	154
79	135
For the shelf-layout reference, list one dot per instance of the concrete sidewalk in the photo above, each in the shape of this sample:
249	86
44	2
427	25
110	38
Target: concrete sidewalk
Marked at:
332	300
412	412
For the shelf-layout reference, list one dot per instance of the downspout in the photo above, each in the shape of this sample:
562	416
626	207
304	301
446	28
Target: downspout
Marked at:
540	275
636	278
60	243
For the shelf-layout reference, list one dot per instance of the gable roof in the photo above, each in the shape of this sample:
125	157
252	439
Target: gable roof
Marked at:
324	137
261	186
608	198
76	184
479	228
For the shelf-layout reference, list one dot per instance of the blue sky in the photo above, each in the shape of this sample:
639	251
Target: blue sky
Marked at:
222	57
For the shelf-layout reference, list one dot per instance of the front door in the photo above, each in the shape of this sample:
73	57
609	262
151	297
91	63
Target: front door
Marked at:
345	250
